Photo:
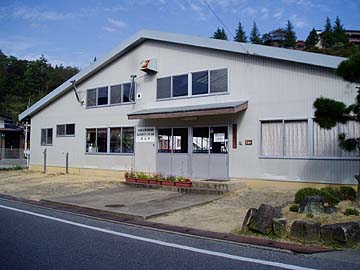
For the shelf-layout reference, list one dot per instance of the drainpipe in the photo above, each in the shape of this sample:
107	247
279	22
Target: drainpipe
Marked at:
44	160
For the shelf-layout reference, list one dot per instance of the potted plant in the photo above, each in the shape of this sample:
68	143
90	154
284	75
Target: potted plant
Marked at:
182	181
169	181
130	177
155	179
142	178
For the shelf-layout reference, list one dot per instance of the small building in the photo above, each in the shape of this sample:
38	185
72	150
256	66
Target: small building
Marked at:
197	107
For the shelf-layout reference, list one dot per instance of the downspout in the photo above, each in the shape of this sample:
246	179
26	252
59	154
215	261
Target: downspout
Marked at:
76	92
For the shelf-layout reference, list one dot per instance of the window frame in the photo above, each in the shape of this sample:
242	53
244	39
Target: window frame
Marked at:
65	133
108	152
189	92
46	137
310	141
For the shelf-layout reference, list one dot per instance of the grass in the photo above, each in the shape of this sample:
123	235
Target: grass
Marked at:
15	168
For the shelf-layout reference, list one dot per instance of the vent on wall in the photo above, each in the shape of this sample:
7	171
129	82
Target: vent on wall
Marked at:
149	66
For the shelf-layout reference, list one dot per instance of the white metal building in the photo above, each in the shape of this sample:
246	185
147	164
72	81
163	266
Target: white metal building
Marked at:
204	108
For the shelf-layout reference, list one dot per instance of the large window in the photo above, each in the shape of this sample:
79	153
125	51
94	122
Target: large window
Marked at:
115	94
304	138
46	136
173	140
120	94
65	130
97	97
121	140
201	83
200	141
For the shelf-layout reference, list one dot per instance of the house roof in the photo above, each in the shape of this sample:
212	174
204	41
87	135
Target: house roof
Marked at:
230	46
192	110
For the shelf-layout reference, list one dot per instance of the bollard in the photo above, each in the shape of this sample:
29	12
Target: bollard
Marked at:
67	163
44	160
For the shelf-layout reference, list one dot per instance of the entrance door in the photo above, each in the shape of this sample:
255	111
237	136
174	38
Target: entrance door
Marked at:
209	158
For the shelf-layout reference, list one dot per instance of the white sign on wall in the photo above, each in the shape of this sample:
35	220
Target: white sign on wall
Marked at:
145	134
219	137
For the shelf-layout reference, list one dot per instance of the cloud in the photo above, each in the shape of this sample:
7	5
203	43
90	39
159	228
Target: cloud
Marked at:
298	22
116	23
249	12
40	15
264	12
278	14
109	29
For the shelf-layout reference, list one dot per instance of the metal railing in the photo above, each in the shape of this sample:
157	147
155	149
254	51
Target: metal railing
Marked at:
12	153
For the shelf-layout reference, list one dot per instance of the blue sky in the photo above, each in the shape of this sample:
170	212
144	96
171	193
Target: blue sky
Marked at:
74	32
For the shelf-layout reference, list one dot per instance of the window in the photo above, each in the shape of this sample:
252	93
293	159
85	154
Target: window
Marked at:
180	140
163	88
115	94
121	140
200	140
218	80
97	97
272	138
164	140
200	83
102	98
219	140
46	136
296	138
127	95
96	140
65	130
180	86
91	98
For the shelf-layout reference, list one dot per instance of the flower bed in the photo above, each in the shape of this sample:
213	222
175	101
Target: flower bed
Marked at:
157	179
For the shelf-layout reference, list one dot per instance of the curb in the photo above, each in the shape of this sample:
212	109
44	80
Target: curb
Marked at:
131	220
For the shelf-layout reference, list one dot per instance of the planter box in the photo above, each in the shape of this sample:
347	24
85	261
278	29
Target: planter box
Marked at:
154	182
167	183
183	184
130	180
142	181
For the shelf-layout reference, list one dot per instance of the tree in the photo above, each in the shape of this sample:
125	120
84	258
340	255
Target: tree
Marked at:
290	36
329	112
327	36
255	35
240	35
220	34
339	36
312	39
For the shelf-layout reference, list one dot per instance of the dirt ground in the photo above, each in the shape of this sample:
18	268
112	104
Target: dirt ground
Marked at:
36	185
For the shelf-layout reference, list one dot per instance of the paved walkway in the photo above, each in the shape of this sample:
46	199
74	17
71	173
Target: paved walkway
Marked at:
135	202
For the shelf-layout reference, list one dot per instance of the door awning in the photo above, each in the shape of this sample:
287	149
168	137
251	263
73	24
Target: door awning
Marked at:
193	110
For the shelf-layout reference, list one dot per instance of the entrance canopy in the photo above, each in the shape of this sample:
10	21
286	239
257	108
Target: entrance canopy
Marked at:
193	110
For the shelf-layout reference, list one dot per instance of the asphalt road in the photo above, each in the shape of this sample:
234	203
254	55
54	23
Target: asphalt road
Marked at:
36	238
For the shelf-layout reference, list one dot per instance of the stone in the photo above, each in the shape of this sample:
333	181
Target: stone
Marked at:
263	219
312	205
279	227
250	213
347	233
305	231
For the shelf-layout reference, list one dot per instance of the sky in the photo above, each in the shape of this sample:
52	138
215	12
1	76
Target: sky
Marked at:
73	32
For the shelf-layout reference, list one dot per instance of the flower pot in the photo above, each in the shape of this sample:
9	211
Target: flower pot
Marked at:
142	181
167	183
130	180
154	182
183	184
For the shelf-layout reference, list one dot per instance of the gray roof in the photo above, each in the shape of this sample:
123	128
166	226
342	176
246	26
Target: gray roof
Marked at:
231	46
191	108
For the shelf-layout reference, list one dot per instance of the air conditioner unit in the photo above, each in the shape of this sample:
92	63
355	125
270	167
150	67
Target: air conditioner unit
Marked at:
149	66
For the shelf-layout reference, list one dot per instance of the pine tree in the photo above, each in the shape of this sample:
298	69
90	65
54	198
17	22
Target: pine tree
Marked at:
339	34
220	34
290	36
327	36
312	39
240	35
255	35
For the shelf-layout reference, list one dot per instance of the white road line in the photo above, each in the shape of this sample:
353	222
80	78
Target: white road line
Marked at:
162	243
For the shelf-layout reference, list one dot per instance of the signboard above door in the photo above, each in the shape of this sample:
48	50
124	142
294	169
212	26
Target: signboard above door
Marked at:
145	134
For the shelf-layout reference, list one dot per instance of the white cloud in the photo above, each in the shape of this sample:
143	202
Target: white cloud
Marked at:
250	12
298	22
116	23
109	29
264	12
40	15
278	14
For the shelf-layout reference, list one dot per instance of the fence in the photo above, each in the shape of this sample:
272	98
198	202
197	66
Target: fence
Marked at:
10	157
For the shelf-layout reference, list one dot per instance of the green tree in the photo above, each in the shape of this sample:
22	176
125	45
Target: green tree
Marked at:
220	34
339	36
255	35
240	35
329	112
290	36
327	36
312	39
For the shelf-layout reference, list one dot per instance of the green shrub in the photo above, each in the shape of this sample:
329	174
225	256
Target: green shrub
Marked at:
294	207
302	193
347	193
141	175
171	178
330	196
351	212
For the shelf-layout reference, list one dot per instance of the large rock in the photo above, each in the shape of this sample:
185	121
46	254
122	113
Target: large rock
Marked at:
250	213
305	231
312	205
263	218
279	227
347	233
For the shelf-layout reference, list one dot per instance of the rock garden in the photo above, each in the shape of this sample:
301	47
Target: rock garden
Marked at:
327	216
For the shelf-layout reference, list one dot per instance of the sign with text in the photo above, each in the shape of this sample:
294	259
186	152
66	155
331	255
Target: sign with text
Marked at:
145	134
219	137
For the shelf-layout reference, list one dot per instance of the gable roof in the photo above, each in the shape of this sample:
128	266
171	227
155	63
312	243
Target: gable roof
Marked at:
321	60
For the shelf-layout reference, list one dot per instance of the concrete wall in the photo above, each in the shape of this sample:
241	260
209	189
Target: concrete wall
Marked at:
274	89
